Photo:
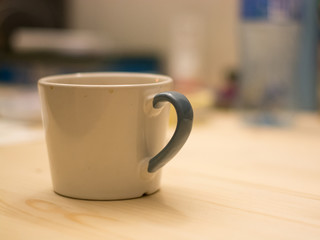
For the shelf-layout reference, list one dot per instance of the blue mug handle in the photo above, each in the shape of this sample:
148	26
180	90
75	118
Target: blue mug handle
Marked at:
184	125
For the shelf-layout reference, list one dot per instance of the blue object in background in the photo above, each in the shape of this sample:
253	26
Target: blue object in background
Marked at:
270	34
27	70
254	9
134	64
304	12
307	58
279	41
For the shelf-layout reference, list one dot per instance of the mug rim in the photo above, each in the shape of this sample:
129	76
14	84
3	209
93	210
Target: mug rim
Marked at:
49	80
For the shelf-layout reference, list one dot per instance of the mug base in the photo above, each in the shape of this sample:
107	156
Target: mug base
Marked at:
108	199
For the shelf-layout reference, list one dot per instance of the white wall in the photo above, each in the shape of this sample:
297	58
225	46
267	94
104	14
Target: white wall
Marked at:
144	26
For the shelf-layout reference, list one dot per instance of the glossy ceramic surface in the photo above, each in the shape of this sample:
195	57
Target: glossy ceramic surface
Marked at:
101	130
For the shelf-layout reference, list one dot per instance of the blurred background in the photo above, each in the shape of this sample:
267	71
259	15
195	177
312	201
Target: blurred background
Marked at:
258	57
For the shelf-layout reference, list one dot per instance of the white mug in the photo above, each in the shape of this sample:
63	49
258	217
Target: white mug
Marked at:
105	132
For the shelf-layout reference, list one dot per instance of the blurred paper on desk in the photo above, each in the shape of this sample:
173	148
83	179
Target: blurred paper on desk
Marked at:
20	103
186	53
186	61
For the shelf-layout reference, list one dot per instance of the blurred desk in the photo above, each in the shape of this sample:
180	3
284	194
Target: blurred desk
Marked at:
230	181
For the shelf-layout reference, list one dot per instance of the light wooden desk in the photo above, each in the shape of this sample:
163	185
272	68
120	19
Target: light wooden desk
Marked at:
228	182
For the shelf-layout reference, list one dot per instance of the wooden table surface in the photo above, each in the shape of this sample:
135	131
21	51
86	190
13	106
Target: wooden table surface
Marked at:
230	181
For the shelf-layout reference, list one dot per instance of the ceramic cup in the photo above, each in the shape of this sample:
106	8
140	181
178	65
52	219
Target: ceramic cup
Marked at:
106	132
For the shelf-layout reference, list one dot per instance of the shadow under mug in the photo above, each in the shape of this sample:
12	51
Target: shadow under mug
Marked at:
106	132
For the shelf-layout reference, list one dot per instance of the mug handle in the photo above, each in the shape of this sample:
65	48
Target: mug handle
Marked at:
184	125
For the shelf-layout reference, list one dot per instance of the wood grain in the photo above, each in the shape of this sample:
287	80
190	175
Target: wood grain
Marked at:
230	181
